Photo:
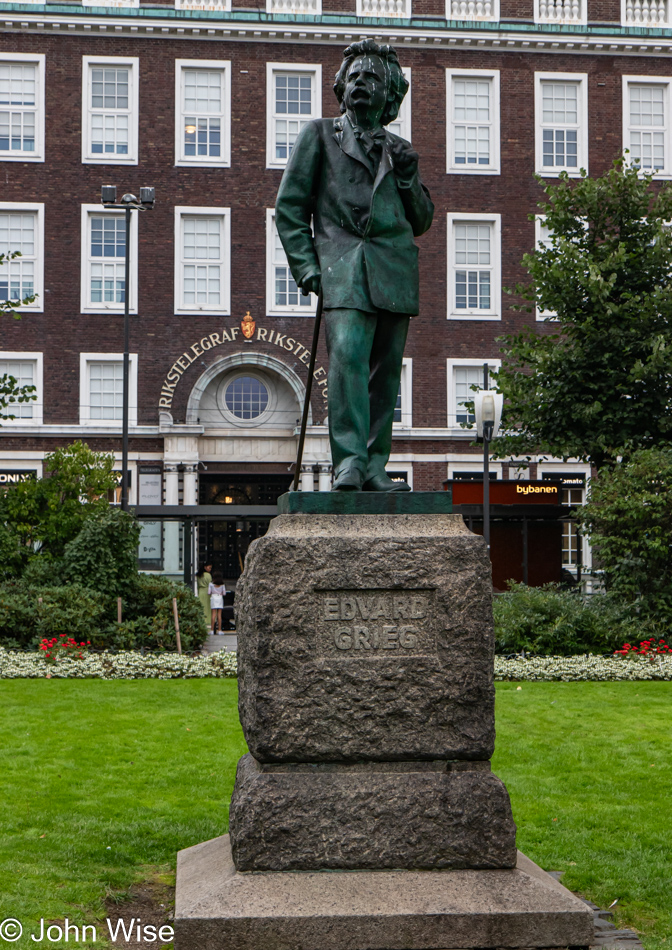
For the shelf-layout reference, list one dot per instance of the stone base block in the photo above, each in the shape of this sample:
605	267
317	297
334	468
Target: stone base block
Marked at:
219	908
334	816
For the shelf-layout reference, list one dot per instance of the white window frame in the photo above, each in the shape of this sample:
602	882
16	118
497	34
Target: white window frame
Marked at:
468	463
211	65
494	168
451	366
271	68
133	65
404	117
224	307
38	60
85	360
406	394
273	309
666	81
37	404
86	306
582	138
37	208
495	311
542	316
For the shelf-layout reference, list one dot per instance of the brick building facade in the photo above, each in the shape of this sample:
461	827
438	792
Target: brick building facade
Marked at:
203	103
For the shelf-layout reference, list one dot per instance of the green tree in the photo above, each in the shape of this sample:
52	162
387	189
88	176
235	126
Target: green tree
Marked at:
629	519
104	555
598	382
10	391
44	514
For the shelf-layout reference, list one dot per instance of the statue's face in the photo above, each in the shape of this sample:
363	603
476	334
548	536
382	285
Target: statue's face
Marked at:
366	85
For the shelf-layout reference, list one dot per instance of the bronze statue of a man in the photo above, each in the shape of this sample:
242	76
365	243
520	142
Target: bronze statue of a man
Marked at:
359	186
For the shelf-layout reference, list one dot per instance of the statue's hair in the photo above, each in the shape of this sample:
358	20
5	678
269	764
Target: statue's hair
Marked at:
397	84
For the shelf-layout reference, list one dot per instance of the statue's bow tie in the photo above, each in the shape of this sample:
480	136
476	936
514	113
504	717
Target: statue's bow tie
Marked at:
371	140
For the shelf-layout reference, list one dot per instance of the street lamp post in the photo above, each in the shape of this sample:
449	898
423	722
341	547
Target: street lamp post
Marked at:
488	412
128	203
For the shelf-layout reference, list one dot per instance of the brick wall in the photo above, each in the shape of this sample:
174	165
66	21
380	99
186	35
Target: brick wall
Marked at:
248	188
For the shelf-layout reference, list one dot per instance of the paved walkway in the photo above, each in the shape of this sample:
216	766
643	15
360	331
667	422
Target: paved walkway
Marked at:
607	934
224	641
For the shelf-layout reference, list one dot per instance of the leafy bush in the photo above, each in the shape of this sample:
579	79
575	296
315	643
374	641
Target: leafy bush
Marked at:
43	571
103	555
548	620
74	610
192	622
86	614
629	520
127	635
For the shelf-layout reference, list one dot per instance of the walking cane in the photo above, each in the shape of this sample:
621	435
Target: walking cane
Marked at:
309	386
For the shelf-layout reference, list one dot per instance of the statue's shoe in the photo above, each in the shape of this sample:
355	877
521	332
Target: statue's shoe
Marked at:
349	480
384	483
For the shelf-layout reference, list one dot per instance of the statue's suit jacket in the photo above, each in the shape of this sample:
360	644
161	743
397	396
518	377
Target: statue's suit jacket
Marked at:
364	221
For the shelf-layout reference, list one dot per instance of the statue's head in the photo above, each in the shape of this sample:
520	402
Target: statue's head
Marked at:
371	74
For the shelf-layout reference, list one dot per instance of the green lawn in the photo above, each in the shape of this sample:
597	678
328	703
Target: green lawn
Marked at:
102	782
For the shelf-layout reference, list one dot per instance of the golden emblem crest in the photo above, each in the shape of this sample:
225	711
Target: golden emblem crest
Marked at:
247	325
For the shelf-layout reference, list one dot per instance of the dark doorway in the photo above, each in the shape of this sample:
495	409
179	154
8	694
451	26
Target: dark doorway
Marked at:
225	542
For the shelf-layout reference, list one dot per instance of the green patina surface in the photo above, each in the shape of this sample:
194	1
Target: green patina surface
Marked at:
365	503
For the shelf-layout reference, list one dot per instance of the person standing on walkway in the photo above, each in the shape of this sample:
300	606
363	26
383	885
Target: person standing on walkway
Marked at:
217	590
203	580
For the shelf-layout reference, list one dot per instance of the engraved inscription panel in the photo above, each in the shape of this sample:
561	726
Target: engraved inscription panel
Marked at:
381	624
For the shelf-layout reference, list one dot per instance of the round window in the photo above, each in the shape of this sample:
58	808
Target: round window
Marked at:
246	397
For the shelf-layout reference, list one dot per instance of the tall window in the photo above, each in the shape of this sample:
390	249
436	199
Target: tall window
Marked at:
402	124
21	229
282	294
108	254
573	486
202	260
294	98
110	104
462	374
21	108
104	260
465	378
17	277
102	388
474	266
562	117
403	410
543	241
473	122
203	111
646	123
25	372
106	386
473	271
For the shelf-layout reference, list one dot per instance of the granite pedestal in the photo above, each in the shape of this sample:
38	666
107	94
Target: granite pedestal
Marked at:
365	814
220	908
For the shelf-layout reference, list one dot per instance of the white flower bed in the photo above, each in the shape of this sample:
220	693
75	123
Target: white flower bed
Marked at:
117	666
574	668
167	666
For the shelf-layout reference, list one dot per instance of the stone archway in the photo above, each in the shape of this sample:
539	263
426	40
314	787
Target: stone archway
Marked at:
242	360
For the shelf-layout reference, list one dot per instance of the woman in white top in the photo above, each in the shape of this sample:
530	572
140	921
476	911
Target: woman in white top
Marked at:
216	589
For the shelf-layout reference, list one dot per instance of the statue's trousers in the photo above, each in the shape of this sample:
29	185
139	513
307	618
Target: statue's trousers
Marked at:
365	360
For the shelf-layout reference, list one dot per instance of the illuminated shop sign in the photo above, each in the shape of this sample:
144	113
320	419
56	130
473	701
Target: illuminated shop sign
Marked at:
13	476
507	493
